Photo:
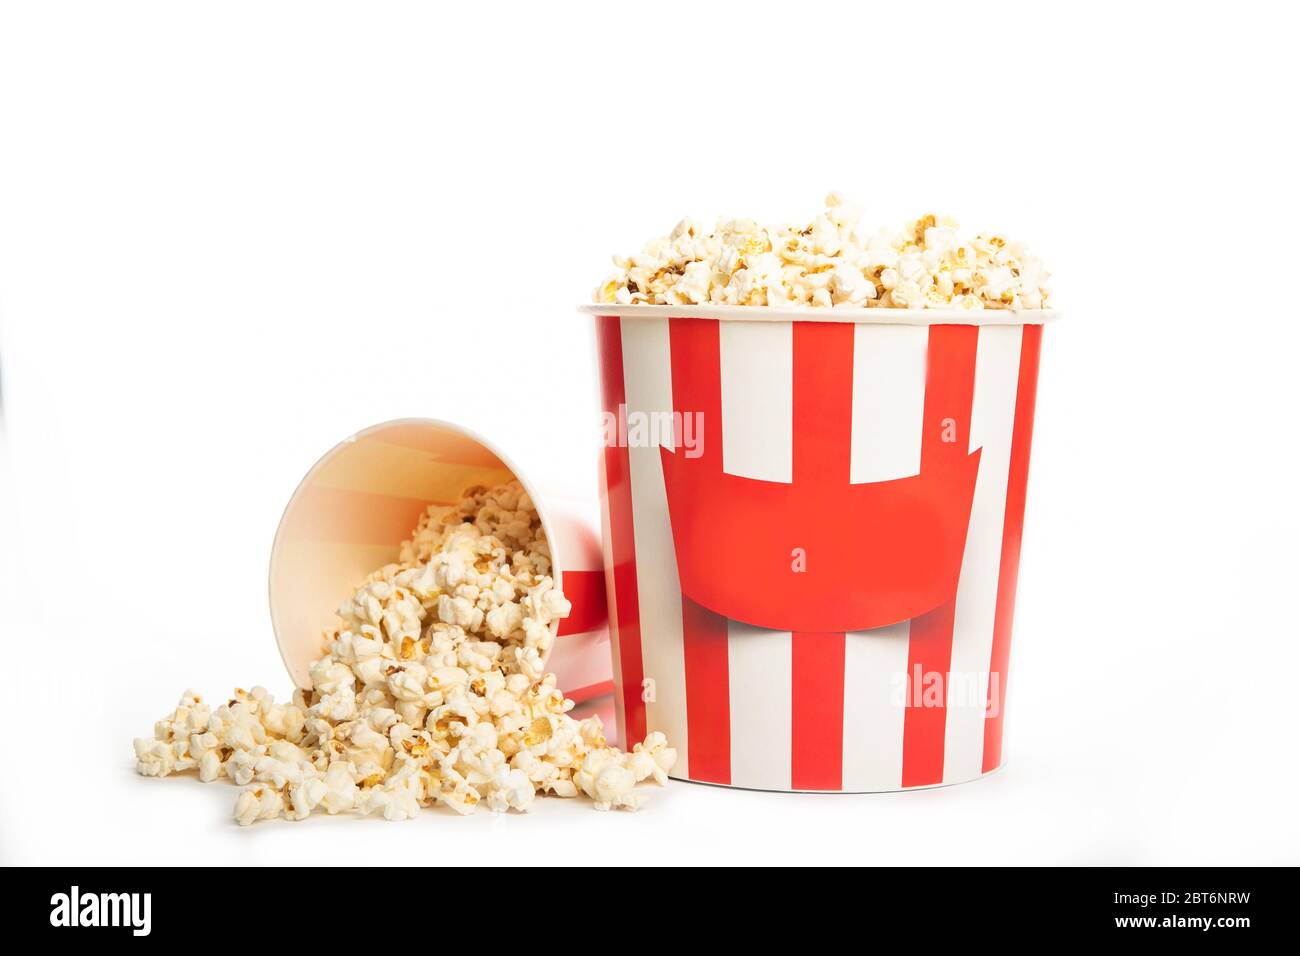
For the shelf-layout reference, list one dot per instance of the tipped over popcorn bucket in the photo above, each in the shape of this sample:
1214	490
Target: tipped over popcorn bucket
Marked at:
812	534
362	499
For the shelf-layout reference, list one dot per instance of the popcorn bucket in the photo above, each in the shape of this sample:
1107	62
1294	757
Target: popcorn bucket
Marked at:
357	505
812	529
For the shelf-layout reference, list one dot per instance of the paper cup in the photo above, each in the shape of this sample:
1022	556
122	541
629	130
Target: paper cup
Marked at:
812	528
357	505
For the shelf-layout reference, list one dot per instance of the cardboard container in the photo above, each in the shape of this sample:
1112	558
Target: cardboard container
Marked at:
812	529
363	499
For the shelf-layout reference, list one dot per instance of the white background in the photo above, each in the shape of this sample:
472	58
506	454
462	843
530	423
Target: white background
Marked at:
231	234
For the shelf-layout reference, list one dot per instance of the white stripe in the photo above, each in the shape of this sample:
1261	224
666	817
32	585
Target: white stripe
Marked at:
993	413
611	597
888	401
875	691
648	385
758	672
757	374
888	413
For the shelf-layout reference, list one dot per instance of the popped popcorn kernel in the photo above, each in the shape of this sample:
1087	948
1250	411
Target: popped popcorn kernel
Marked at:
432	690
832	262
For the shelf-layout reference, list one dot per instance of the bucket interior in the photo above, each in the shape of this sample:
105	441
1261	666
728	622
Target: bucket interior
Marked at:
353	510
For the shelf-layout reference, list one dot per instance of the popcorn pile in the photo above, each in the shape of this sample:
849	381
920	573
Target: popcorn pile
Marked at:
432	690
831	262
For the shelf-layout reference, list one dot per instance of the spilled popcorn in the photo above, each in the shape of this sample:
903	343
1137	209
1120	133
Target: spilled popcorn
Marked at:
432	690
831	262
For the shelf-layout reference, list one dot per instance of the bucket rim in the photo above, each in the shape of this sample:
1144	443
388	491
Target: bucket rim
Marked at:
863	316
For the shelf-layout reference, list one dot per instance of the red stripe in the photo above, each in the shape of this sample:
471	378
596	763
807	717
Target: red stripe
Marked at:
1012	527
696	353
586	592
929	655
817	711
823	445
823	404
618	484
945	439
708	704
697	388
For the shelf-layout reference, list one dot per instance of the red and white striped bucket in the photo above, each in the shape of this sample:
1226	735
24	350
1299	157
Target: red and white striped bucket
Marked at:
364	497
812	532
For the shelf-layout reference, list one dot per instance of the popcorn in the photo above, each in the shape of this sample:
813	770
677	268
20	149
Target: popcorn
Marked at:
832	262
341	788
258	803
431	690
